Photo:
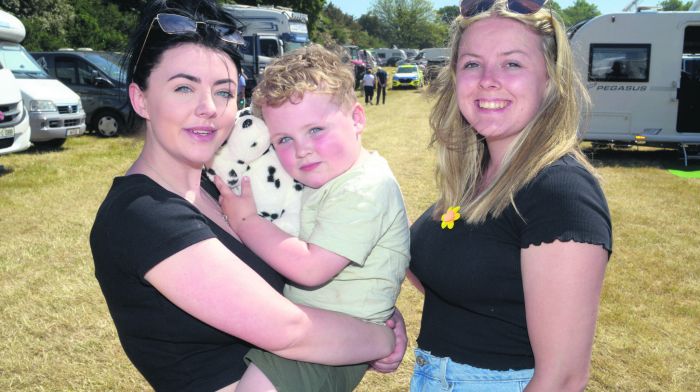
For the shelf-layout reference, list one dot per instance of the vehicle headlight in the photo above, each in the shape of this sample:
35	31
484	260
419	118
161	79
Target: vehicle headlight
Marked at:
42	106
80	106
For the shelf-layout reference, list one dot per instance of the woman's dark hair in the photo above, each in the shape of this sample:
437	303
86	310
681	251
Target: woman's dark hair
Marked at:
159	42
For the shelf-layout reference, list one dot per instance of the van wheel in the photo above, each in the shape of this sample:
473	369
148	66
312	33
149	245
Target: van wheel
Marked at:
107	123
49	144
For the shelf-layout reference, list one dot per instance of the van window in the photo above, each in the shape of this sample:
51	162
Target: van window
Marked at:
269	47
71	71
109	63
619	62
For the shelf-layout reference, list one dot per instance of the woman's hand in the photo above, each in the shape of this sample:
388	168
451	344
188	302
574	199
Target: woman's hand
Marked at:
236	208
391	363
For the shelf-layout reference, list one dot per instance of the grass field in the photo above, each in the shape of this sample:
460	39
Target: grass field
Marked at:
57	334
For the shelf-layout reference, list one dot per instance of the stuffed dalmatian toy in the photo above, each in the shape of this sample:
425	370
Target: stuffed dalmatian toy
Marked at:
248	152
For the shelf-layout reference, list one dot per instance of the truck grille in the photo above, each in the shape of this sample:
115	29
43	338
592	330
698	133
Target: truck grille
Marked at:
68	109
4	143
71	123
10	113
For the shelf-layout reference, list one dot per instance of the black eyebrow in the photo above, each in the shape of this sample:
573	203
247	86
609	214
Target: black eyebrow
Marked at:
198	80
186	76
224	81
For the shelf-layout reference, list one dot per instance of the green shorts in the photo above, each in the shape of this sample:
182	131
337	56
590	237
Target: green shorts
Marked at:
296	376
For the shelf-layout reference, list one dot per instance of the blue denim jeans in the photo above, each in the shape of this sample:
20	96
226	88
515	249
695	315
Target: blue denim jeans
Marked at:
433	373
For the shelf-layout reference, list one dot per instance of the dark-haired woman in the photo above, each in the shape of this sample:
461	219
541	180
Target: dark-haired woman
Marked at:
187	298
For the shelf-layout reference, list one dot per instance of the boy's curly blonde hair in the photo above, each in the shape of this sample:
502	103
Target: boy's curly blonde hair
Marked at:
312	69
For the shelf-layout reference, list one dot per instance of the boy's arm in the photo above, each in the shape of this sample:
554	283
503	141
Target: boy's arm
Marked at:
303	263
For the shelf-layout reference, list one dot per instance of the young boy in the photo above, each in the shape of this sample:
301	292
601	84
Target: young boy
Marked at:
353	247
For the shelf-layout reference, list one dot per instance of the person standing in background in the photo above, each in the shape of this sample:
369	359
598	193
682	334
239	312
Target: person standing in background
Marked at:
381	85
241	90
368	83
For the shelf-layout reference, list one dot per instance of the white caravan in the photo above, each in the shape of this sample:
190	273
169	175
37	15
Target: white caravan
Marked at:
55	111
14	120
641	75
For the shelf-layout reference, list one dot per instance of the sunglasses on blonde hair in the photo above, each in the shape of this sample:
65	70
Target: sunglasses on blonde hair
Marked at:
469	8
180	24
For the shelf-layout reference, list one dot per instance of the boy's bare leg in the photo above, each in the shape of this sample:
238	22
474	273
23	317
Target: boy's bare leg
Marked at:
254	380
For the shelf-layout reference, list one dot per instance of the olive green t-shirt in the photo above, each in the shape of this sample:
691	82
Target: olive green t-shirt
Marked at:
359	215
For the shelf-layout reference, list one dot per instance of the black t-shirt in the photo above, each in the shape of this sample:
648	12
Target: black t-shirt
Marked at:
474	309
138	225
382	75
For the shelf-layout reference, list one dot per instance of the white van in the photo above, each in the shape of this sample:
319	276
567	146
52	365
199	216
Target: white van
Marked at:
55	111
383	55
643	85
14	121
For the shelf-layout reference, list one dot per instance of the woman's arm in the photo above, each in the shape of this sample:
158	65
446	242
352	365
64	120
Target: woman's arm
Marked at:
212	284
414	280
562	282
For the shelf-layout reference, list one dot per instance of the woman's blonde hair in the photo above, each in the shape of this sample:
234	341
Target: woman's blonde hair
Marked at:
312	69
462	156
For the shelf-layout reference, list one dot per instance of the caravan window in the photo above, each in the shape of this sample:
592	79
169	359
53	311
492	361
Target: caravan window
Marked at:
619	62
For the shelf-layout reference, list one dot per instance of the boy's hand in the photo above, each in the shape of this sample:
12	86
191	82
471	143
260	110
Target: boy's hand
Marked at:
392	362
237	209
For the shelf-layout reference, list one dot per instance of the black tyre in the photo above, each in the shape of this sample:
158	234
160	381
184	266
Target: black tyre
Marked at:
107	123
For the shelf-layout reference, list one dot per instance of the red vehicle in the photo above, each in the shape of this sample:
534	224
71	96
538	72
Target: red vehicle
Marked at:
361	59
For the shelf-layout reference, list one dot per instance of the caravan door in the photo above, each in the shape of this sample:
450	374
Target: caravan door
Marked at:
689	90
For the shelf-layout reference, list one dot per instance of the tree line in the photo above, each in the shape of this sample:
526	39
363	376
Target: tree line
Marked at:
105	24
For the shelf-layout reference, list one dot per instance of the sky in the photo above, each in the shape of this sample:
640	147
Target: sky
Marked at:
357	8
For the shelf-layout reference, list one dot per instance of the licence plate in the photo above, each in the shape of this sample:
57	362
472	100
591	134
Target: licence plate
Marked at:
72	131
7	132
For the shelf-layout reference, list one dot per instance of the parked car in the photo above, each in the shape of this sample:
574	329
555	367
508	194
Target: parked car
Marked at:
99	80
361	60
407	75
392	61
427	54
411	53
383	55
54	110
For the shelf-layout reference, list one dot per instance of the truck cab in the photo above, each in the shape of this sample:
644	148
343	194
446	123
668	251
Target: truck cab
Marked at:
55	111
269	32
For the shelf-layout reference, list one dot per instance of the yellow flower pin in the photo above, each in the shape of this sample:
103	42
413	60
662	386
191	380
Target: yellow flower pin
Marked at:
449	217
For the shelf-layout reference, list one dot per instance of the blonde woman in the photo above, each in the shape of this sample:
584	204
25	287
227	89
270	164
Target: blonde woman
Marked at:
511	257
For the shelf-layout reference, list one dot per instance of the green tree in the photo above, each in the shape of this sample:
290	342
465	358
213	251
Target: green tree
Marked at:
337	27
101	26
579	11
675	5
447	14
372	25
409	23
45	21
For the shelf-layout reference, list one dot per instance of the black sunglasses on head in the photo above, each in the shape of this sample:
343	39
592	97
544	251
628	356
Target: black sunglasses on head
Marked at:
180	24
469	8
